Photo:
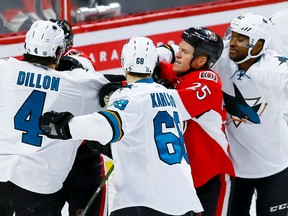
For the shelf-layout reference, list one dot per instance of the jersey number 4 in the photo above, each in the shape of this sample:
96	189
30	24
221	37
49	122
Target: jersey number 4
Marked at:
27	117
169	138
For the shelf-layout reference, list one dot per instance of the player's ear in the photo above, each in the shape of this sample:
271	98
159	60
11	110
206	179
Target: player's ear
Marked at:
258	47
201	61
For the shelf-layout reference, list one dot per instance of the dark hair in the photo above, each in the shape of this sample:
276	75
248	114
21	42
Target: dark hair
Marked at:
205	42
42	60
138	75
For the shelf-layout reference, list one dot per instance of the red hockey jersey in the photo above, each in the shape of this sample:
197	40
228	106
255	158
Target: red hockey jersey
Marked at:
205	139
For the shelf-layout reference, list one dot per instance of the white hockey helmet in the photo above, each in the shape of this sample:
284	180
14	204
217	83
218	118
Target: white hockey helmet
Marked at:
139	55
43	39
255	27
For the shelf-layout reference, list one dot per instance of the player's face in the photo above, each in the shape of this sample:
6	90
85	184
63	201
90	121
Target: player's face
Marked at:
239	46
183	58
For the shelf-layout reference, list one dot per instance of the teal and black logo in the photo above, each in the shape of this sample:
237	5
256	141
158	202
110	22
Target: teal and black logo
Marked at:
243	110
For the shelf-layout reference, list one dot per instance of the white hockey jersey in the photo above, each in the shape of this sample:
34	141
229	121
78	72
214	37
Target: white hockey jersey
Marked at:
257	109
28	159
279	38
151	164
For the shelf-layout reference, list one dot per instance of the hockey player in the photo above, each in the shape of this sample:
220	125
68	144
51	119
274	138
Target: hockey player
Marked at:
200	91
152	174
255	95
34	167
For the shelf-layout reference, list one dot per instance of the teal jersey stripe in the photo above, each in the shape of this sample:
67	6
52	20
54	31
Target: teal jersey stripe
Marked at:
114	119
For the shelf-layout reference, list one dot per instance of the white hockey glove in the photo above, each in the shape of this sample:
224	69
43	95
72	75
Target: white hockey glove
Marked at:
166	53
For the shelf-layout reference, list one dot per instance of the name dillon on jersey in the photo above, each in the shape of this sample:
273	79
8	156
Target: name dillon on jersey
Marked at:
38	81
162	99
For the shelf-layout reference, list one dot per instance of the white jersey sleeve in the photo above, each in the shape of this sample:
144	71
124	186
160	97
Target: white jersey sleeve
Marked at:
98	128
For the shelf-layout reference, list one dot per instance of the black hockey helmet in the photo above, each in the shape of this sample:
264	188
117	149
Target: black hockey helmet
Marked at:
205	42
67	28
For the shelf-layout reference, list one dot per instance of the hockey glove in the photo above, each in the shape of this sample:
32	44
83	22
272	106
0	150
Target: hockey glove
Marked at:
156	72
102	149
166	83
107	90
55	125
166	53
68	63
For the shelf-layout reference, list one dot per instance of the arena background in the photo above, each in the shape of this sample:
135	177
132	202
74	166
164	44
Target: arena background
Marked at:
103	39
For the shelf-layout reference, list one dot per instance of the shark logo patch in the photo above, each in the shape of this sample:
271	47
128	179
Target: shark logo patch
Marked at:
282	60
243	110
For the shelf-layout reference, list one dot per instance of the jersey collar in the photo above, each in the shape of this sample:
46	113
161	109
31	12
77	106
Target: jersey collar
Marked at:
146	80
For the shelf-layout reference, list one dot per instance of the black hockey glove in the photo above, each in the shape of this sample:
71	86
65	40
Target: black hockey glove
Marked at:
108	89
68	63
55	125
165	83
156	72
102	149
